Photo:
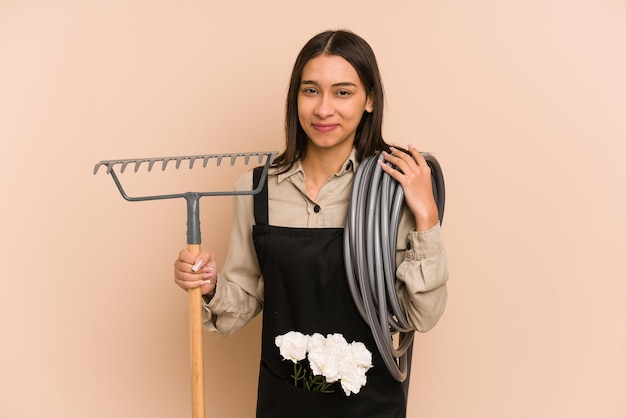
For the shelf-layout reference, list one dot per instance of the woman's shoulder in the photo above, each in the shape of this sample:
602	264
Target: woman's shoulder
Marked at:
244	182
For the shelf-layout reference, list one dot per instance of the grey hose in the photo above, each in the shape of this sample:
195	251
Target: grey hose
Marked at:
370	255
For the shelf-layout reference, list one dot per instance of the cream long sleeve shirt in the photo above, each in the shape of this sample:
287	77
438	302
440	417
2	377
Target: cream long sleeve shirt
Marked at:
421	258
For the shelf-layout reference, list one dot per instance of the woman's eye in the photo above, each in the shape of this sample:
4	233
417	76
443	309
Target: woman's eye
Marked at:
309	90
343	93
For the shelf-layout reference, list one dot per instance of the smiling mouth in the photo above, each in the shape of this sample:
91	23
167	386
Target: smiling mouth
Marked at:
324	127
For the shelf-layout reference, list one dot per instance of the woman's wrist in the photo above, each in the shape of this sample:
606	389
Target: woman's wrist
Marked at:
426	223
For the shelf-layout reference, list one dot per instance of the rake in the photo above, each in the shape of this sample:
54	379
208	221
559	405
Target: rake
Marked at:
193	238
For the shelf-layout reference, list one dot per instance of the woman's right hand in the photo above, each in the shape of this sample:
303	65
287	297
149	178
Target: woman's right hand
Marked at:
196	271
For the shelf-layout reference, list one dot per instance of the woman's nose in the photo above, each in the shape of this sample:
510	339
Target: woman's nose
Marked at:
324	107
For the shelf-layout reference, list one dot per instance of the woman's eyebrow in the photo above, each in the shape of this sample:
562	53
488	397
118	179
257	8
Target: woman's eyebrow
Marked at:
340	84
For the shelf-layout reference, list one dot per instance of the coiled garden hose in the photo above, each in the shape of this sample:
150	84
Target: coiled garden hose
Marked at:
370	255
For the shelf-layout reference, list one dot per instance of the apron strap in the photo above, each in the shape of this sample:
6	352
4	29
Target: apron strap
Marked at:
260	199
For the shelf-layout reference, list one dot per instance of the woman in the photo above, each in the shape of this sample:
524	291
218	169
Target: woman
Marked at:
286	247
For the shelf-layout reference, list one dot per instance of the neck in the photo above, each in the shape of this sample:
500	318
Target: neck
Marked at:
324	162
321	163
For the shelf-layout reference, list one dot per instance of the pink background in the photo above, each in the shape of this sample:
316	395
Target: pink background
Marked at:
523	102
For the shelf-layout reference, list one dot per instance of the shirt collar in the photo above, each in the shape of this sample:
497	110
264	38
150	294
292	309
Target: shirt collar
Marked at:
349	165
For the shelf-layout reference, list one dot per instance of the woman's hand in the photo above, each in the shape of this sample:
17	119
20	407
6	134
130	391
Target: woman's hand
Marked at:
413	174
196	271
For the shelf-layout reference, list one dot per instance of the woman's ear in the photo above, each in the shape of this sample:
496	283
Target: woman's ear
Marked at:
369	104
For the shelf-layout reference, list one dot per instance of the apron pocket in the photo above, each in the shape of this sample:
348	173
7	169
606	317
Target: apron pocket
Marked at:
280	399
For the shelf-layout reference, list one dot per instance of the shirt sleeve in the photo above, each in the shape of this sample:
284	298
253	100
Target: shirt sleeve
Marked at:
421	275
239	291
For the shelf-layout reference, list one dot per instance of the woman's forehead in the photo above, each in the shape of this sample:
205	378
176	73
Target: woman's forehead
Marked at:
329	69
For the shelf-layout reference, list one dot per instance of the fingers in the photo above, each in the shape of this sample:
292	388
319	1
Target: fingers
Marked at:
207	281
406	165
412	158
418	157
188	262
192	271
414	175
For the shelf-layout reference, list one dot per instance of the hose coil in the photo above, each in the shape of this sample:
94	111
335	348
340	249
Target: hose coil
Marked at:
370	255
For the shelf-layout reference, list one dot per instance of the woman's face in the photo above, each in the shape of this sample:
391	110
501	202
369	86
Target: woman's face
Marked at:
331	102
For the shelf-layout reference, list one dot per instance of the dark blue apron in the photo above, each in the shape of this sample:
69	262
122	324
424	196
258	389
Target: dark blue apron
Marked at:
306	290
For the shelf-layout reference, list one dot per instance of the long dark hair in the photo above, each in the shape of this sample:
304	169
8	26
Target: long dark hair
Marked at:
354	49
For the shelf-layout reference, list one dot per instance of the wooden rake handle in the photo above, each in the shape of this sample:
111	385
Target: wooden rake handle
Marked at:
196	346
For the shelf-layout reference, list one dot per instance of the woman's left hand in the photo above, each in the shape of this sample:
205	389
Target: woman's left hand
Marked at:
413	174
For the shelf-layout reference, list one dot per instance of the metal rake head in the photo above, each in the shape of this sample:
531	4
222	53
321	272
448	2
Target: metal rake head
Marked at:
265	158
192	198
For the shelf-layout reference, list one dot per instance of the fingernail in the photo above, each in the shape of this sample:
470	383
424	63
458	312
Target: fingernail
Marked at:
196	266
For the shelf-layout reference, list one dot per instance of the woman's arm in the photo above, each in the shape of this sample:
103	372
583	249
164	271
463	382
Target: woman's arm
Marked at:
421	275
239	292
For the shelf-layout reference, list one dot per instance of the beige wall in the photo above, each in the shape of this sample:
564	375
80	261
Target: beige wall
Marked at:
521	101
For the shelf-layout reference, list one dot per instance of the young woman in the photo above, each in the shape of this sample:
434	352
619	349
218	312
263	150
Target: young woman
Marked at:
286	248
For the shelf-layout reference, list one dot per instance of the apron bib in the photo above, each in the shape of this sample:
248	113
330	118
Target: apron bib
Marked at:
306	290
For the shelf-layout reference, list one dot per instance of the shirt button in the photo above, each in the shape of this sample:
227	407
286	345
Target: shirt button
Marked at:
316	208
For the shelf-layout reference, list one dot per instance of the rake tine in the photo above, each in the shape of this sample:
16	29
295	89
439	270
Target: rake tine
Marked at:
165	161
124	164
219	160
138	164
95	169
178	161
